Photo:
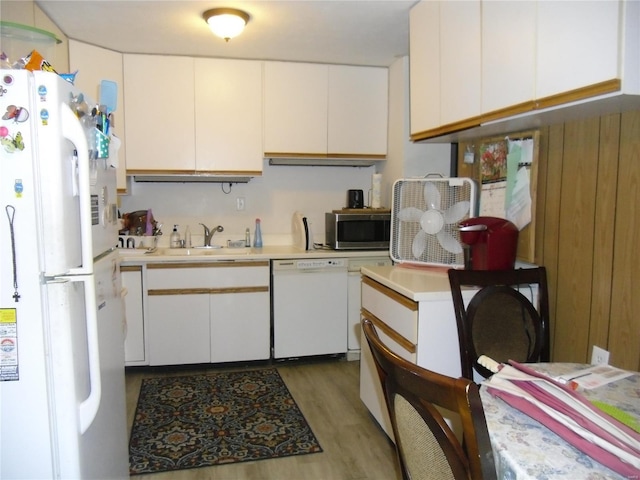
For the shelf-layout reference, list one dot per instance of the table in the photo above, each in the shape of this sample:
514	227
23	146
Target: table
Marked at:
525	449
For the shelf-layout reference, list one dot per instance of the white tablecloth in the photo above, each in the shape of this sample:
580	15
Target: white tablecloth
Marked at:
525	449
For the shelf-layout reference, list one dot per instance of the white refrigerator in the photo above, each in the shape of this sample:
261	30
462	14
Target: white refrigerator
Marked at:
62	393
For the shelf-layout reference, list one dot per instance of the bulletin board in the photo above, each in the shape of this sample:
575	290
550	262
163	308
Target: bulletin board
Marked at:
506	171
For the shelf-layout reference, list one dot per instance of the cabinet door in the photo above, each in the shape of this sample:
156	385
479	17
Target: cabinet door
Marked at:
295	107
95	64
134	351
358	110
240	326
178	329
460	61
508	55
228	110
577	45
424	66
160	119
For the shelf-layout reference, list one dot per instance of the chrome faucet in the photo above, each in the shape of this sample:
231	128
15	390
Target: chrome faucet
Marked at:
209	233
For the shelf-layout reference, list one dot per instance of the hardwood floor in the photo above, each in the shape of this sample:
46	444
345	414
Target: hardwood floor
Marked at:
327	392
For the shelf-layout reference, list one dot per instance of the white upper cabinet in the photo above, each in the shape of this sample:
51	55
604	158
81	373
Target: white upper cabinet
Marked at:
577	45
295	107
160	117
424	66
445	64
193	115
228	115
358	107
325	110
460	57
540	57
95	64
508	54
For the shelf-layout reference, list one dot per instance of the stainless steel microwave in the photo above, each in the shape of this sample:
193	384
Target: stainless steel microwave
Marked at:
357	231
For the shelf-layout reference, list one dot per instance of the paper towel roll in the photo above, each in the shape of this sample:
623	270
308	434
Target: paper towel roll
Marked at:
376	190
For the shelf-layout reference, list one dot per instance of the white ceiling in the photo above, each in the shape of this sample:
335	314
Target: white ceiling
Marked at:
352	32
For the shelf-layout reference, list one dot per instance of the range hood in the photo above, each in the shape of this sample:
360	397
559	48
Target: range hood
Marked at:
192	178
320	160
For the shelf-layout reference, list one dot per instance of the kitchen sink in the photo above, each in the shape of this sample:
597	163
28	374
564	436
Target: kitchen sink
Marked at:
197	251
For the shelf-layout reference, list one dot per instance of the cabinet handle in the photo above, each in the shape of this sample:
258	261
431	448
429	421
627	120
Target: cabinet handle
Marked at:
390	332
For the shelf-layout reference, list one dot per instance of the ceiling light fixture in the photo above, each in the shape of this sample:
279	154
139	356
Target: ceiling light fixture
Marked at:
226	22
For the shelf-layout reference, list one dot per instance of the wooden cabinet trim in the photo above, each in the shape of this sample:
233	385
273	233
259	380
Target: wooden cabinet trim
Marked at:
346	156
159	172
212	264
392	294
130	268
206	291
509	111
390	332
445	129
602	88
589	91
253	173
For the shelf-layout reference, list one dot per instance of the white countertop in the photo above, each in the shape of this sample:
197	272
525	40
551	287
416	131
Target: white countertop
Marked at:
138	255
417	283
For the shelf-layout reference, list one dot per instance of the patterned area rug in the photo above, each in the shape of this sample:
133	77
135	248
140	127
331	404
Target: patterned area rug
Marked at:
203	420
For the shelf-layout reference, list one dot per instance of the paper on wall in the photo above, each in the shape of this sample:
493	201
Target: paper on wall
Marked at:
505	191
518	209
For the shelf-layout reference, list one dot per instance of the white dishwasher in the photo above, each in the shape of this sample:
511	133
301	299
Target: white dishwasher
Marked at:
309	307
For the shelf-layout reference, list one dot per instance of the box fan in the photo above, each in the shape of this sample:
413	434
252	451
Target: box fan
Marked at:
425	214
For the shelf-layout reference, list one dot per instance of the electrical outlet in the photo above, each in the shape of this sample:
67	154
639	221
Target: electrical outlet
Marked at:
240	203
599	356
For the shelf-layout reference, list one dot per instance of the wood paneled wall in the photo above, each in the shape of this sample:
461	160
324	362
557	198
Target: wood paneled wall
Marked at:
588	236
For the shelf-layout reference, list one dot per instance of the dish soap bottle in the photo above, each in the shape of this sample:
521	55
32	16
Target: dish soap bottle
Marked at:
257	236
174	240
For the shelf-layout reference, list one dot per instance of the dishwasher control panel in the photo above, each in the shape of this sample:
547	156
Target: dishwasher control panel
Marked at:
311	264
322	263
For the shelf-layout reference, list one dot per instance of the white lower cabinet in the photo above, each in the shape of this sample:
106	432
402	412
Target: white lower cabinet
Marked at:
354	300
134	347
423	332
240	325
178	329
208	312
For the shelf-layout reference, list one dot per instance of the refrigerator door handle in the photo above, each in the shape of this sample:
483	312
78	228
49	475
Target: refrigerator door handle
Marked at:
88	408
73	131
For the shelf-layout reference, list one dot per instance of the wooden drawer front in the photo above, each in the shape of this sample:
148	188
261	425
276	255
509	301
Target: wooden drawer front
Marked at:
392	339
167	276
397	312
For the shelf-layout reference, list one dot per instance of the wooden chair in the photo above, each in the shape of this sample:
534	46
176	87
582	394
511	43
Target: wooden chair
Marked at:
499	321
426	446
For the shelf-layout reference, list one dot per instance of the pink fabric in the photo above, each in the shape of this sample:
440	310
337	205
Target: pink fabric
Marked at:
580	419
598	453
578	397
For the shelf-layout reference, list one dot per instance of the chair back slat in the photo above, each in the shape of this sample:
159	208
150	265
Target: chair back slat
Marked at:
426	446
500	321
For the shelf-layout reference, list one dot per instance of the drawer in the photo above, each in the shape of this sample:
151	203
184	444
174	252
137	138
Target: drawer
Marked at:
207	275
397	312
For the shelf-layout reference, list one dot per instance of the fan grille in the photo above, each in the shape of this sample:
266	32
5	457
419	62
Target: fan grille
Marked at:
410	193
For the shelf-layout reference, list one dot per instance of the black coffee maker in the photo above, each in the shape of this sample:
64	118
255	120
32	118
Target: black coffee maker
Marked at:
355	199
